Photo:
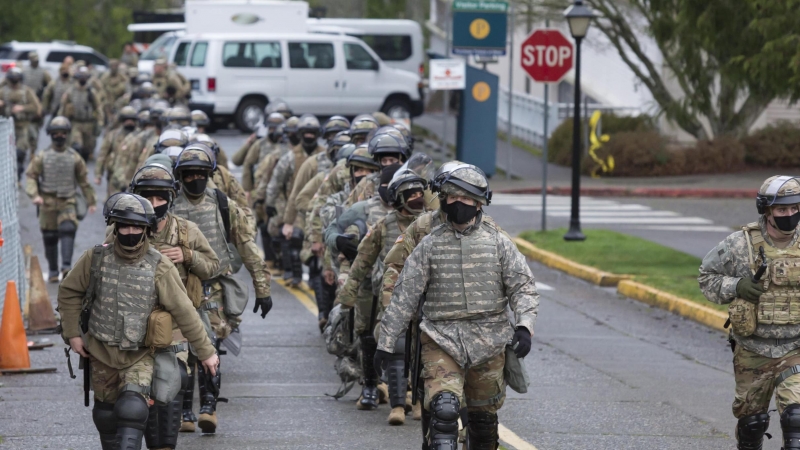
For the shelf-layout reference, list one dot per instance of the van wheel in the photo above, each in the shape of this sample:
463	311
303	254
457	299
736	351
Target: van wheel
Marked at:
397	108
249	114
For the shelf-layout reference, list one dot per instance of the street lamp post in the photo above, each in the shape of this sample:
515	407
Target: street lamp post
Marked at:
578	16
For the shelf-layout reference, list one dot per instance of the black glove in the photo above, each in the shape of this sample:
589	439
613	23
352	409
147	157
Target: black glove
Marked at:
271	211
265	303
521	344
380	358
749	290
345	245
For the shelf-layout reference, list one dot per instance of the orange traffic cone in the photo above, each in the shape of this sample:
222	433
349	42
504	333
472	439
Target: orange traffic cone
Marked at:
13	342
41	316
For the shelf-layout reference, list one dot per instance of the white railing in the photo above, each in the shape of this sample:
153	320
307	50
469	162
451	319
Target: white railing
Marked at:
528	115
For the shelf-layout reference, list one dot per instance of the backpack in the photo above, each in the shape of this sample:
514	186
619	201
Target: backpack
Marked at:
340	342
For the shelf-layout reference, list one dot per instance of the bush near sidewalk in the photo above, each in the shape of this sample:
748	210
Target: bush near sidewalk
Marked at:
649	263
774	146
559	147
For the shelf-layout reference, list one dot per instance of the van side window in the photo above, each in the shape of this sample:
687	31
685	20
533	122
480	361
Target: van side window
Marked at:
358	58
199	54
181	53
311	55
388	47
58	56
251	54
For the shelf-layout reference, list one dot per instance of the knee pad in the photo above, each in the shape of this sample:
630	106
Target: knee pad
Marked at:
50	237
104	418
131	410
751	429
444	421
67	227
790	424
184	378
482	430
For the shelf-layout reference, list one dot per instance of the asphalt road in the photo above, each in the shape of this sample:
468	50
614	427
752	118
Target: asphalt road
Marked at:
606	372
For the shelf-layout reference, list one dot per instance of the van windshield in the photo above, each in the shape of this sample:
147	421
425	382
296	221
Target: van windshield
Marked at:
160	48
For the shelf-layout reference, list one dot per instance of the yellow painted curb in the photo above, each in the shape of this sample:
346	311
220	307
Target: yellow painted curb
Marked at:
302	293
686	308
558	262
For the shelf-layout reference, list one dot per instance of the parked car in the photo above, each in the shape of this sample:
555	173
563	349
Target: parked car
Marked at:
235	75
51	54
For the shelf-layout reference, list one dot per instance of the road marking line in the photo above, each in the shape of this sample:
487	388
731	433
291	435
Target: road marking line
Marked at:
645	221
544	287
510	438
583	208
306	298
618	213
715	228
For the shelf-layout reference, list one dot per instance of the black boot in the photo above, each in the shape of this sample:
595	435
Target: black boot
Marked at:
286	258
208	404
750	431
21	163
790	424
266	242
50	238
369	393
277	249
297	268
106	423
483	433
66	234
188	418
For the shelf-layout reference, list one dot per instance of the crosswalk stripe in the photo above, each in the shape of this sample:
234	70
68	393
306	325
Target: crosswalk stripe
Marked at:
646	220
583	208
617	214
544	287
708	228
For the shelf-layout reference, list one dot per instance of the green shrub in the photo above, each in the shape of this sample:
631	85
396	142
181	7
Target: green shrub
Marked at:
559	147
774	146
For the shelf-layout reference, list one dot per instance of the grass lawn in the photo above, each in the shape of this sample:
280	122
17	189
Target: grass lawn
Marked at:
650	263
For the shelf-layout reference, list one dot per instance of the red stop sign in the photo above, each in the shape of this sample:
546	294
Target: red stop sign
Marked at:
547	55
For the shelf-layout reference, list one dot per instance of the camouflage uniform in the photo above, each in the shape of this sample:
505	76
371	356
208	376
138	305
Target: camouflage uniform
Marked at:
51	99
36	78
111	157
319	163
20	94
115	84
50	177
283	176
337	180
84	108
170	86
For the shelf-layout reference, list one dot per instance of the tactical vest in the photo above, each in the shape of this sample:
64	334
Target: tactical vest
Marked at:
9	102
176	234
780	305
81	104
392	230
58	176
124	297
59	89
466	275
208	218
33	78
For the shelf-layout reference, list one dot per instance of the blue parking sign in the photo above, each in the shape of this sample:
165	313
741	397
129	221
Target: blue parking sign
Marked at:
479	27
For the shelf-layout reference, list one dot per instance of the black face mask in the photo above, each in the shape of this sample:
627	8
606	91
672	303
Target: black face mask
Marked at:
60	141
309	144
82	82
415	206
65	75
196	186
274	137
129	240
787	223
383	191
294	139
356	180
161	211
460	213
129	127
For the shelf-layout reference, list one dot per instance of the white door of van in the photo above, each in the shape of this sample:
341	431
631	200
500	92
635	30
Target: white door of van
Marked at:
249	68
189	59
363	84
314	81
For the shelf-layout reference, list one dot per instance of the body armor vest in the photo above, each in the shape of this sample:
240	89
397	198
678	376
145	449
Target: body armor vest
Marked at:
13	97
59	89
466	275
58	175
208	218
780	305
81	104
393	228
124	297
33	78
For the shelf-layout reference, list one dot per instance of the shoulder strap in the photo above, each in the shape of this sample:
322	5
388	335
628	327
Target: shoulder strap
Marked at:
225	211
183	232
94	274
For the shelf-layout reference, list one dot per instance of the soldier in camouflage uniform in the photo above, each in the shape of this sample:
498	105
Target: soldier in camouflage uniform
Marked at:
277	106
260	149
115	83
764	314
387	147
183	243
223	178
468	273
202	123
122	366
230	235
343	236
82	105
111	153
20	102
280	186
168	84
51	99
52	177
37	78
405	196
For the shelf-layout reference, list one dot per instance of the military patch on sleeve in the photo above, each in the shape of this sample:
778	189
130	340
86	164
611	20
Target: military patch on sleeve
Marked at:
399	239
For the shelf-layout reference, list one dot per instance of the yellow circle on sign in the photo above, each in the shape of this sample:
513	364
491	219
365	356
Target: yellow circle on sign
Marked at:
479	28
481	91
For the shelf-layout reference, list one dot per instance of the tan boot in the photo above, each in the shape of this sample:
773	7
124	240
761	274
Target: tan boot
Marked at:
397	416
322	322
383	393
208	422
416	411
187	427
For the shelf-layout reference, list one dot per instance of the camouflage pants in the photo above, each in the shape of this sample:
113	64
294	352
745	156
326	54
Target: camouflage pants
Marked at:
22	136
755	382
275	223
55	211
33	135
108	382
83	135
220	323
482	385
363	307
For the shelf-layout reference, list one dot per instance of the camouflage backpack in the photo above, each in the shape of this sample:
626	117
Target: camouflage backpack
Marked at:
339	341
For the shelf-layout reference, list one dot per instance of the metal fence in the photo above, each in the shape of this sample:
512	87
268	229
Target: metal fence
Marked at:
12	260
528	115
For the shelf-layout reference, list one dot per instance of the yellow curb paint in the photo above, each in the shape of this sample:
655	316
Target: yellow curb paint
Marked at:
686	308
550	259
510	438
306	298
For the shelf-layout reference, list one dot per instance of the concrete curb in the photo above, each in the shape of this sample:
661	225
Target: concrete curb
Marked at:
686	308
558	262
625	286
638	192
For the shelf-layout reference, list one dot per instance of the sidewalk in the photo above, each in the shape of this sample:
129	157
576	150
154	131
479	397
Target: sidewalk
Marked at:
528	168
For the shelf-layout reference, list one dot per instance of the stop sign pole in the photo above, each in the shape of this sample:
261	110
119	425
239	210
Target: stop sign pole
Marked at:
546	57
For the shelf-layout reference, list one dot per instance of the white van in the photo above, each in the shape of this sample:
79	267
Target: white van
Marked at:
398	42
235	75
